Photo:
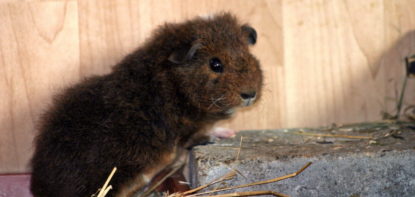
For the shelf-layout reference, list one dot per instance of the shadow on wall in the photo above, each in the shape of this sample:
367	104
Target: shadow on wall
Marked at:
374	89
394	70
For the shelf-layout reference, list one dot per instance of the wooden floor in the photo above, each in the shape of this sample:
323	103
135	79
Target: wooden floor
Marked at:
324	61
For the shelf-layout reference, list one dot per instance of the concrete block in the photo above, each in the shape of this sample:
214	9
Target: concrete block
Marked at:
383	165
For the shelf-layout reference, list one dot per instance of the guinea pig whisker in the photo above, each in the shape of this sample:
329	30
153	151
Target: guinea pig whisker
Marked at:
215	101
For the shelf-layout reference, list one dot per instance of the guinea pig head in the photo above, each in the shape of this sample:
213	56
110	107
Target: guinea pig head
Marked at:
215	70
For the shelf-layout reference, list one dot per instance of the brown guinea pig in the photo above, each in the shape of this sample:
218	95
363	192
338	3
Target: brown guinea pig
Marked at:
154	104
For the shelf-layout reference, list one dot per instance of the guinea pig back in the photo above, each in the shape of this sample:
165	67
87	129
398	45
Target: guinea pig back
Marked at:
141	116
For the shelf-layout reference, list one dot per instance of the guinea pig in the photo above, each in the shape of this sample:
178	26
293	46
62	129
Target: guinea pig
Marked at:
161	99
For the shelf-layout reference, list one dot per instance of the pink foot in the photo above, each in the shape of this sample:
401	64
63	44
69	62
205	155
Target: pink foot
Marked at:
222	132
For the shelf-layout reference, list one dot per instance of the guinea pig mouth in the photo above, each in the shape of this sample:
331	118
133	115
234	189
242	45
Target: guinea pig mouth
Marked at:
230	111
247	102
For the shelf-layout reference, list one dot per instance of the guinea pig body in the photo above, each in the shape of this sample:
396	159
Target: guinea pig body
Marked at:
143	115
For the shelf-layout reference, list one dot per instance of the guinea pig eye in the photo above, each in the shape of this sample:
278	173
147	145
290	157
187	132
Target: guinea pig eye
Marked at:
216	65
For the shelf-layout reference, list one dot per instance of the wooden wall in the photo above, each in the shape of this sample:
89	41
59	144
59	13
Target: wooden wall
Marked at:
324	61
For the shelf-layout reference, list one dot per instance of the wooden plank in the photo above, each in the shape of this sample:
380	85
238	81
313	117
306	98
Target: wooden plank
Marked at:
108	30
334	61
39	53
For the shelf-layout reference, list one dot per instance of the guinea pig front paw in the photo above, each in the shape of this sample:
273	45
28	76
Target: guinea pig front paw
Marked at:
221	132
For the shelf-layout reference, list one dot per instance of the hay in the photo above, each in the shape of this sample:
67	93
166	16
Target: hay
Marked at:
230	175
332	135
103	191
193	192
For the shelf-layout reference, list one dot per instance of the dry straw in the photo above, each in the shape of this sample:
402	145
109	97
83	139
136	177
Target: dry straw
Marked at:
106	188
230	175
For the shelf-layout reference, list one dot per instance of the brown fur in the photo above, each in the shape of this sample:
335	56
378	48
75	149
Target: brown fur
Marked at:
152	103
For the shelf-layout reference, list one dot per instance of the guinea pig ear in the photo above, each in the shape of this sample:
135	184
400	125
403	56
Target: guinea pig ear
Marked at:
250	33
182	55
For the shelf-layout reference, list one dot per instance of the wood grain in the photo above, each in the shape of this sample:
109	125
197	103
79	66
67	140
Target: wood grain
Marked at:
324	61
39	52
339	59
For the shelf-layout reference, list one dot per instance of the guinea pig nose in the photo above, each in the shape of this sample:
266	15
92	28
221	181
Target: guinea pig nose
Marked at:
248	95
